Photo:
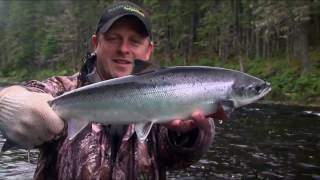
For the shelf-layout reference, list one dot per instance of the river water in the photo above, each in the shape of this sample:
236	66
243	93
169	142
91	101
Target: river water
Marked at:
256	142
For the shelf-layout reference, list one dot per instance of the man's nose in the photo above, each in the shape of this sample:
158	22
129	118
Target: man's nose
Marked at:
125	47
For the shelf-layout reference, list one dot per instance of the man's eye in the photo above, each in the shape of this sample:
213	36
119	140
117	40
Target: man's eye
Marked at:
136	41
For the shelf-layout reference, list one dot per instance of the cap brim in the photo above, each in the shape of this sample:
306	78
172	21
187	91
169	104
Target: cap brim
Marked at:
107	26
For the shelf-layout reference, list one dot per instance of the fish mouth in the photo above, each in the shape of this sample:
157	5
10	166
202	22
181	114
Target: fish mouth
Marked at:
266	87
258	89
262	90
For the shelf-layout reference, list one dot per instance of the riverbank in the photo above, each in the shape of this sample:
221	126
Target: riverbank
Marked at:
288	103
5	81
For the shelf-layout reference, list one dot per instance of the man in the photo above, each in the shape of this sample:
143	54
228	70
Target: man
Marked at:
102	152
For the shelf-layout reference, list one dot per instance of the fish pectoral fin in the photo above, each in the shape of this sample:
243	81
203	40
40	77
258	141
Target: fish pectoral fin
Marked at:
9	145
75	126
143	130
227	106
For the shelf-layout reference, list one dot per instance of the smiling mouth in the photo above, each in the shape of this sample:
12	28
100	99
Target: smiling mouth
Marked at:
122	61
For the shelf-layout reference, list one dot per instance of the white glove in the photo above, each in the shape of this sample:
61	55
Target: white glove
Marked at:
26	118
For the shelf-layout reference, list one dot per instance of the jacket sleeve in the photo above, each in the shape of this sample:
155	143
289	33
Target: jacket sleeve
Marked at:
181	150
55	86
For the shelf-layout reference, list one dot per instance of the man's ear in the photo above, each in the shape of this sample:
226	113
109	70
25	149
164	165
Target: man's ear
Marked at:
94	41
149	50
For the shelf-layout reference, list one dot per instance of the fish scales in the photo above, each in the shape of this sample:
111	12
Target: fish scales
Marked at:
163	94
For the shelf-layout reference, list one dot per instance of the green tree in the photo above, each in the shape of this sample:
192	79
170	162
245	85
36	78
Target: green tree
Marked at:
288	20
20	35
4	13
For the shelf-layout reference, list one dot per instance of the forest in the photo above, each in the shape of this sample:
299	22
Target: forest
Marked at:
276	40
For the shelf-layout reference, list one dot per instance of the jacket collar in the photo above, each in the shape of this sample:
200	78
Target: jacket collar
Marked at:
93	76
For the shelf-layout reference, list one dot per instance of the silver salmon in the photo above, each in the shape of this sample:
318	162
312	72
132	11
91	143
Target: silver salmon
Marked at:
158	96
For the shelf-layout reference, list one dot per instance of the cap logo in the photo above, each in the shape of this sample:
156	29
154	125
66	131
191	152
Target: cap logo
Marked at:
127	8
132	9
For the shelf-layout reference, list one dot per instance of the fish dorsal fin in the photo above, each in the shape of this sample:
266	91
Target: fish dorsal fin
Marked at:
75	126
9	145
143	130
141	67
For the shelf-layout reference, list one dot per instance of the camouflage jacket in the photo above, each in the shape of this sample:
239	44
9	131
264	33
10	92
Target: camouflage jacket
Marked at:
93	154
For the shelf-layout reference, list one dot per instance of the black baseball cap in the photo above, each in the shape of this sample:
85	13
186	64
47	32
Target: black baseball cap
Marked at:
119	10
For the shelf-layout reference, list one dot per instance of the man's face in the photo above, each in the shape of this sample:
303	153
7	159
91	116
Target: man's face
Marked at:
117	49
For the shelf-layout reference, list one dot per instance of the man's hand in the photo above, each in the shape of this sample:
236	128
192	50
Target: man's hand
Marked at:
198	120
26	118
